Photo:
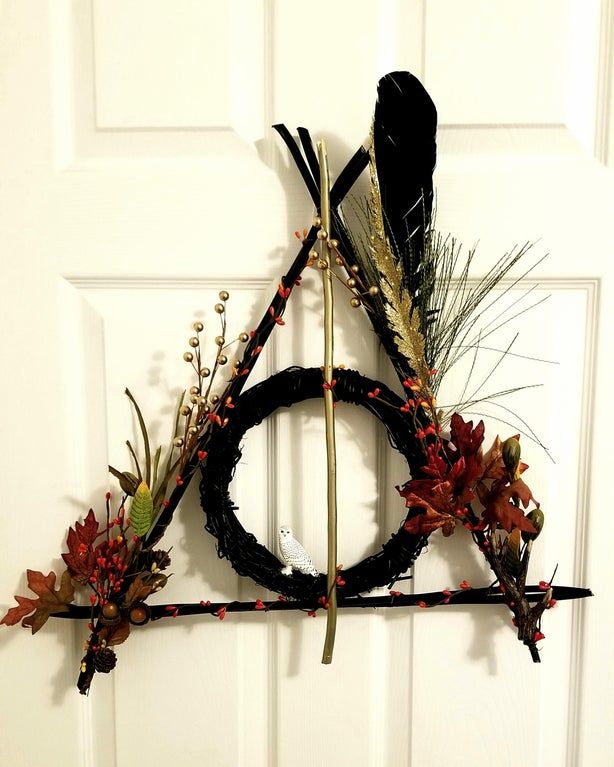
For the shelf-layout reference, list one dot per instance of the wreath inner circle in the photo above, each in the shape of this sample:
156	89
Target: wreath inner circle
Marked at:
252	559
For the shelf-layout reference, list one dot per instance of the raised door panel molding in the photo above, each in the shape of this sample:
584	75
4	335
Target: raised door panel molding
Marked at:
161	64
138	80
515	63
131	331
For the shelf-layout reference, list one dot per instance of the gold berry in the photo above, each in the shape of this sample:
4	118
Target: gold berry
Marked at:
193	430
224	295
220	340
205	372
355	302
333	243
373	290
198	327
194	389
339	261
188	356
222	359
215	399
243	337
317	221
178	441
355	269
322	264
352	282
185	410
219	308
322	234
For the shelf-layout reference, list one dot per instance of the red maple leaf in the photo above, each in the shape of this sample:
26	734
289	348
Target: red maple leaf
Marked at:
464	437
81	558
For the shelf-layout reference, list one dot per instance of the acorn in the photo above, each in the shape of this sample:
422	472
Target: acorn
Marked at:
511	454
109	614
128	482
139	614
536	518
105	660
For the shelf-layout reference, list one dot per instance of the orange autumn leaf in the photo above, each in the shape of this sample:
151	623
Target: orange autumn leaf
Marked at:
500	508
429	521
34	613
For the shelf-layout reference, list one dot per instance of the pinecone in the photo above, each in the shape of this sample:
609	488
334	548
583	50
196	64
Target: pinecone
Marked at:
105	660
161	558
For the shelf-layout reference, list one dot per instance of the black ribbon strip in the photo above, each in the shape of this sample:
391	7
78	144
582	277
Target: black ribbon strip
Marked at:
479	596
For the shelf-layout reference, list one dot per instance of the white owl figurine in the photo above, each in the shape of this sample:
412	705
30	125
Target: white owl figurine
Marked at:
294	555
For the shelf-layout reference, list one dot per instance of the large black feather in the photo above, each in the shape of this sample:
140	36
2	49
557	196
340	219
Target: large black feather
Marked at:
404	142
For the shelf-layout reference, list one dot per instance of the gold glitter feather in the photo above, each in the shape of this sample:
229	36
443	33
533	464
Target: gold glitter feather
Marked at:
403	318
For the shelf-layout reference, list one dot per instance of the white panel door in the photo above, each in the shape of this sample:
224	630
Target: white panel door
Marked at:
139	177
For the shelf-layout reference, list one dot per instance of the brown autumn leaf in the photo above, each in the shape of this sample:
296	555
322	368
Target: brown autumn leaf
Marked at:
81	557
116	634
138	591
34	613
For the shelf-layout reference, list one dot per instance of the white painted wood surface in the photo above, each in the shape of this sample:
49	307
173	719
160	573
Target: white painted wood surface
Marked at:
140	176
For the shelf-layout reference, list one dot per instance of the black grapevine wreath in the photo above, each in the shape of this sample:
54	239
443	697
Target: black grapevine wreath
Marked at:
399	270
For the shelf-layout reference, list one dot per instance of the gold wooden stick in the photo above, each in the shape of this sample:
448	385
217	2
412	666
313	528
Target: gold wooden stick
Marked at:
331	458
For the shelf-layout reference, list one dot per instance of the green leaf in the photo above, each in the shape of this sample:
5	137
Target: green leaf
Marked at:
141	511
144	434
